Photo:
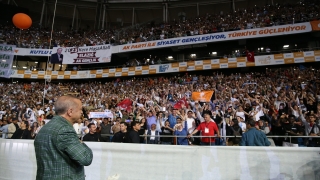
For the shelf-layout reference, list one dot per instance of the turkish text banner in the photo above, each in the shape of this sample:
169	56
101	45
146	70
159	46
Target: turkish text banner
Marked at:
84	55
6	60
220	36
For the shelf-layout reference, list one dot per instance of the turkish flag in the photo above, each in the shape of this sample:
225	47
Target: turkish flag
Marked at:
125	104
182	101
250	56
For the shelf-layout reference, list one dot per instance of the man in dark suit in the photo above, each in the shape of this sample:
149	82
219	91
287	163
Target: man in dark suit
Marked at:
133	135
57	58
59	152
121	136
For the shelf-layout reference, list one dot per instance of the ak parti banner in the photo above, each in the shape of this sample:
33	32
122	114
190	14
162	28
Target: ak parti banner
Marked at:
81	55
203	96
315	25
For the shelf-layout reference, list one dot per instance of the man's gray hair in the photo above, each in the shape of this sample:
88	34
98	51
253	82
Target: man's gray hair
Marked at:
64	103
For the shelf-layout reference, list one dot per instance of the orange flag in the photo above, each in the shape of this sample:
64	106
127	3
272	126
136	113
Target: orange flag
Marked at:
315	25
203	96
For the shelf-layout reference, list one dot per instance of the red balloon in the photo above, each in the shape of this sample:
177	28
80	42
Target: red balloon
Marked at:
22	21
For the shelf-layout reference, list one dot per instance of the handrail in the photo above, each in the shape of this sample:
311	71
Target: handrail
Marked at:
268	136
175	136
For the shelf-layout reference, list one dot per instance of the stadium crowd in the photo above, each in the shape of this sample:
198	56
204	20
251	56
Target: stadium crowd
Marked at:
254	17
280	102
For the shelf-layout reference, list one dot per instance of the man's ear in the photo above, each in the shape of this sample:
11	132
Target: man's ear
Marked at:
69	112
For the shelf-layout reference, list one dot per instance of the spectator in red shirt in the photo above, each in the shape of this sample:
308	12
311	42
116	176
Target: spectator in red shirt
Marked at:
207	128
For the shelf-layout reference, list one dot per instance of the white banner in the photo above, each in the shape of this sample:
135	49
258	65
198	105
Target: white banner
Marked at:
264	60
82	55
7	49
6	59
32	52
153	162
100	115
221	36
6	73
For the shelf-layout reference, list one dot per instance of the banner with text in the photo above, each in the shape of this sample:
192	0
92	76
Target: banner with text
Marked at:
199	65
221	36
7	49
6	59
267	60
32	52
101	115
84	55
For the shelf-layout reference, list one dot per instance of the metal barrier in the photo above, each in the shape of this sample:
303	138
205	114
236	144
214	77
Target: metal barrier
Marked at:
173	136
193	136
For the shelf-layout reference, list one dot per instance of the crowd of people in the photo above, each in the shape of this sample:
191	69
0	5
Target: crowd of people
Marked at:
254	17
279	102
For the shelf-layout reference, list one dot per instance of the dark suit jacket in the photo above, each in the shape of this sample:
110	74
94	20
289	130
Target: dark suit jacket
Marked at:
59	152
133	137
55	59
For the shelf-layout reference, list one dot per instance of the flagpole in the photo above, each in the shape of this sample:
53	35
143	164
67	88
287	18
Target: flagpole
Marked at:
45	80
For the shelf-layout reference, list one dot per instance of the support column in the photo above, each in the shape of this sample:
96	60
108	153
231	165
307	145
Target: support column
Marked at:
42	12
46	17
103	16
46	67
98	15
133	13
106	18
198	9
74	16
166	12
233	6
77	22
8	1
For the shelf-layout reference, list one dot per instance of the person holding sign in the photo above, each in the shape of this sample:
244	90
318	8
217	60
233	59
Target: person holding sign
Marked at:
57	58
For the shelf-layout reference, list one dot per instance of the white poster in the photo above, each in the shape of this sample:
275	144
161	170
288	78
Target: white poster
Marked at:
7	49
6	59
264	60
100	115
81	55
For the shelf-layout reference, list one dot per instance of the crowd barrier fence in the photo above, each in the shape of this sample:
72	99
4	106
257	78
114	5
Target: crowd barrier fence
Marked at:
145	161
194	136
